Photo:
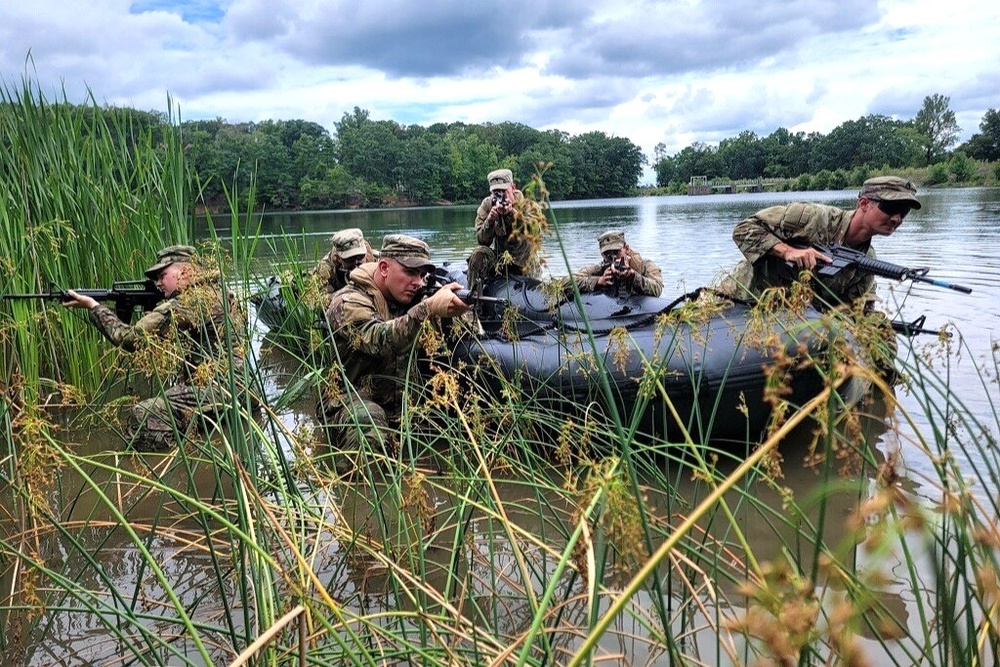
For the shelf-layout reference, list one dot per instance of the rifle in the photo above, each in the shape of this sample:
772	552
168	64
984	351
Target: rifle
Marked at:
844	257
127	295
915	328
466	296
619	289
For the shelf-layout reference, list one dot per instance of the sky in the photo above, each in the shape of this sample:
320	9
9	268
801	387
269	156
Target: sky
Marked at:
670	72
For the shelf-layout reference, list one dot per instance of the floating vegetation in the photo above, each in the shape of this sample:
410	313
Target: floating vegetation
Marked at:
500	531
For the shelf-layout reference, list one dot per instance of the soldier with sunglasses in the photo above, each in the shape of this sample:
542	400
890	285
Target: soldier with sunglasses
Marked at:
777	242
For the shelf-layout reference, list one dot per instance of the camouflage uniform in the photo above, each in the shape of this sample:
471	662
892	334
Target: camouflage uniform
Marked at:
798	222
374	338
346	244
509	245
646	278
191	330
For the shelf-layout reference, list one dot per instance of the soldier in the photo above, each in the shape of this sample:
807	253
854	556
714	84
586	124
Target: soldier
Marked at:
375	321
349	250
775	242
622	269
189	328
509	229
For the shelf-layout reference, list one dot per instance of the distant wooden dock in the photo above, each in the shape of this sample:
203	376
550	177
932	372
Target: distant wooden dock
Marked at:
700	185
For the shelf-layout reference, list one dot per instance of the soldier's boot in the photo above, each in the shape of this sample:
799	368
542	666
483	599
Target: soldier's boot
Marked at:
154	435
478	269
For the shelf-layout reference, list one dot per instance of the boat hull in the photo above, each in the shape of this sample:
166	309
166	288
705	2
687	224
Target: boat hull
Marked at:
710	375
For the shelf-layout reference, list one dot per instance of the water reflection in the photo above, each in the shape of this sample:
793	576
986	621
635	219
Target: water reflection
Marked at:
469	559
953	234
378	551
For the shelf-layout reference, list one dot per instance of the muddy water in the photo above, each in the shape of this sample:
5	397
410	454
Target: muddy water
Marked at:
956	234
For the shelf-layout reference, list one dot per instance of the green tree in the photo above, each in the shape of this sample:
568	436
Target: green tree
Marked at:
312	156
962	167
822	180
553	154
936	126
985	145
604	166
230	159
664	166
515	138
422	168
468	160
838	180
937	174
744	156
335	189
785	154
698	159
370	149
873	141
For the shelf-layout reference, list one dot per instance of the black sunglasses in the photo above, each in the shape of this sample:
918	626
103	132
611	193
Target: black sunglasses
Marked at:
893	208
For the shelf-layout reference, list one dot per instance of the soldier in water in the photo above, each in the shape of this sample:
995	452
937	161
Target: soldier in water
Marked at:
509	230
375	322
197	326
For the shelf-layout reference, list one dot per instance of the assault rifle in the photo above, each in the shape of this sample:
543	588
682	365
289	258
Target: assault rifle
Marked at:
915	328
126	295
618	263
466	296
844	257
618	266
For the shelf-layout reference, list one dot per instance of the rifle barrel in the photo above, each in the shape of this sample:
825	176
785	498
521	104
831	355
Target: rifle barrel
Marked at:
468	297
885	269
95	293
940	283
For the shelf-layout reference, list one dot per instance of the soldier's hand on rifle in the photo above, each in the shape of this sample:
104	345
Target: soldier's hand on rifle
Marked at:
445	303
501	206
607	279
803	258
623	267
74	300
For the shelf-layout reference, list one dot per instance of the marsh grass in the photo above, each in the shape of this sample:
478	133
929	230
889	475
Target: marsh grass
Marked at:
499	531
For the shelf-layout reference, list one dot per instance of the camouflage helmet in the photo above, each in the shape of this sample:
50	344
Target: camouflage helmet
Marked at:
499	179
613	239
349	243
890	188
168	256
408	251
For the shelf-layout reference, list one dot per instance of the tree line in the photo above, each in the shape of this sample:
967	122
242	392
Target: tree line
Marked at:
298	164
847	153
365	163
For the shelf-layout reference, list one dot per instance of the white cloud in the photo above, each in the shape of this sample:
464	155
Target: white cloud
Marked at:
675	71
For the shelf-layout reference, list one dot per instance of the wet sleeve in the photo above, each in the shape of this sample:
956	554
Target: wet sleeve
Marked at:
355	318
586	278
155	323
649	281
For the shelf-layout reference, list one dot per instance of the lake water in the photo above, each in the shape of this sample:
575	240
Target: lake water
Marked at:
955	234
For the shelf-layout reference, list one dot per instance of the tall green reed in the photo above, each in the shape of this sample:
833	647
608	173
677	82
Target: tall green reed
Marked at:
87	200
499	531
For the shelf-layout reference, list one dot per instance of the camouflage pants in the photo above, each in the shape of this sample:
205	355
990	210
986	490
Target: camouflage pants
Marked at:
482	266
355	426
157	423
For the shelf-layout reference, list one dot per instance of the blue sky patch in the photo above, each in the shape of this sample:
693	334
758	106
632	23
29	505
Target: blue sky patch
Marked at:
192	11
